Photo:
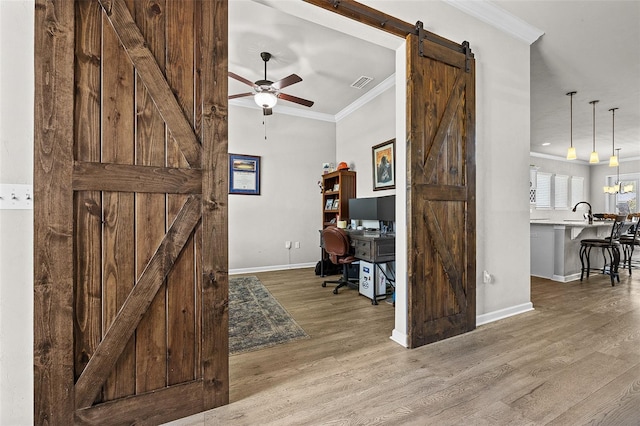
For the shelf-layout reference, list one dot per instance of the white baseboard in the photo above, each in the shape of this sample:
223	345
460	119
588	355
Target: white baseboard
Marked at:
566	278
270	268
400	338
503	313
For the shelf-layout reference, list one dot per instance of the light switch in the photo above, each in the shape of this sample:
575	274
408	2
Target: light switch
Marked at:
16	196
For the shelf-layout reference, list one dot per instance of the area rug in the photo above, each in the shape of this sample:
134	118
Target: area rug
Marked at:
256	319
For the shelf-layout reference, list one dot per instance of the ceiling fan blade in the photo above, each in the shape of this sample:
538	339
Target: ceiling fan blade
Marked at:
240	95
241	79
267	111
287	81
295	99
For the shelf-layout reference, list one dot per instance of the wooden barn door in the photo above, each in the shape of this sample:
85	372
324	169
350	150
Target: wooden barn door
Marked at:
130	210
441	189
441	226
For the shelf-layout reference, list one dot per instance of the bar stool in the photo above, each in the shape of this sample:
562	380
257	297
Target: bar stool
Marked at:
610	247
629	241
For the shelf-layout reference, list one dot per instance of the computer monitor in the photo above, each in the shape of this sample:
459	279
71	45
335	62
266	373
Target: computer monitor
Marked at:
373	208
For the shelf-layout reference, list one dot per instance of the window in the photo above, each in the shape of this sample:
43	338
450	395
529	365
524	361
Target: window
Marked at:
543	190
577	190
561	192
629	197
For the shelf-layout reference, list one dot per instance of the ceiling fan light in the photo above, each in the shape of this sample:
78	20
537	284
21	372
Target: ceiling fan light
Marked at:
571	153
265	99
613	161
593	159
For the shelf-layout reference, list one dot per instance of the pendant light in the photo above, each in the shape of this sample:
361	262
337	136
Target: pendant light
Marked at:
615	189
593	159
571	153
613	161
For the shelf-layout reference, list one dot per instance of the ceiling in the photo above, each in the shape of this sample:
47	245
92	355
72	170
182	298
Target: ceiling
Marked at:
588	46
328	61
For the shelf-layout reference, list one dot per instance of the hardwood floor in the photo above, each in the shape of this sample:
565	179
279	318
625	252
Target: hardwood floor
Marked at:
574	360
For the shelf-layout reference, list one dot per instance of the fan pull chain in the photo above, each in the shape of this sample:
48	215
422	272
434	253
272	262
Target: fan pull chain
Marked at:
264	123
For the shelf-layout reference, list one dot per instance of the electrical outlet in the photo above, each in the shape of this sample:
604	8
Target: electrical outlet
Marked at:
287	244
297	244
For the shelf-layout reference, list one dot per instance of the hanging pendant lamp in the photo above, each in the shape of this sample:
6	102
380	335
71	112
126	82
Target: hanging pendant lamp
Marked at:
613	161
593	159
571	152
617	187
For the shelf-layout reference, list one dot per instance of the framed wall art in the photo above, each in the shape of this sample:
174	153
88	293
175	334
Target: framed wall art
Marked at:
244	174
384	165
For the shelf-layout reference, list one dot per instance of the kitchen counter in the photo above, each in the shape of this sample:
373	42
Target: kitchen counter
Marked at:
555	246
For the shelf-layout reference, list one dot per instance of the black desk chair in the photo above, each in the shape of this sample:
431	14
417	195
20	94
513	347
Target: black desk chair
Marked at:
337	245
629	241
610	247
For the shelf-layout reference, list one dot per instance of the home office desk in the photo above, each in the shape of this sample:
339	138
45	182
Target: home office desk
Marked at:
377	249
372	247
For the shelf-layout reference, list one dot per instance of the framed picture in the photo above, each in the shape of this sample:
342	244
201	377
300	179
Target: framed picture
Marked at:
336	187
328	205
384	165
336	204
244	174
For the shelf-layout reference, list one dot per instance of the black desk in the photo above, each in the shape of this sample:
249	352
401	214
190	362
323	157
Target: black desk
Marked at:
373	247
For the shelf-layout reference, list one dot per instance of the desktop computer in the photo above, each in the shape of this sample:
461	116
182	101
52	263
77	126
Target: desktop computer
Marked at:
370	275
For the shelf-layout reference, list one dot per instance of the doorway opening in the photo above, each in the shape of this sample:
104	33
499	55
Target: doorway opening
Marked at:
244	219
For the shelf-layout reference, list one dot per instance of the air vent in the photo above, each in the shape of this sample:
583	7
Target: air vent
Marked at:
361	82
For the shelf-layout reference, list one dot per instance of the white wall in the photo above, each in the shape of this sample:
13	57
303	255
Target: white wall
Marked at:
356	134
289	206
16	226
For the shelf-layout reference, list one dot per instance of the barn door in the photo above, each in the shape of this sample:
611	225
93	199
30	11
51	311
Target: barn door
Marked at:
441	254
441	189
130	210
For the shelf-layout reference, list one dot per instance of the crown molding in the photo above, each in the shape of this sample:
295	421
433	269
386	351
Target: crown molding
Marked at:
367	97
247	102
557	158
584	162
283	109
499	18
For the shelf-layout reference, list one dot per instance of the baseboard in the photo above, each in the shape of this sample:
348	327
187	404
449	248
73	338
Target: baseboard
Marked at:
271	268
400	338
566	278
503	313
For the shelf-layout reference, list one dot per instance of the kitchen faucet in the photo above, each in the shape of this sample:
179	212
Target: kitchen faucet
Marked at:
590	214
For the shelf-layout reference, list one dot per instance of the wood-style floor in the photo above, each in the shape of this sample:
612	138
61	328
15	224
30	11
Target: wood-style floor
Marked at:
574	360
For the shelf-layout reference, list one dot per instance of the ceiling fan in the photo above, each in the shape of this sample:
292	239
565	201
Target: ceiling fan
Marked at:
266	93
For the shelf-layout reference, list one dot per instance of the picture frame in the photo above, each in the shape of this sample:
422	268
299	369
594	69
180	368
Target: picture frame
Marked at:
244	174
328	205
384	165
336	187
336	204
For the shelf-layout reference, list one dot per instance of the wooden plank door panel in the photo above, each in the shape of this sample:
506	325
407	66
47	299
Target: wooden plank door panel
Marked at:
441	180
440	173
141	85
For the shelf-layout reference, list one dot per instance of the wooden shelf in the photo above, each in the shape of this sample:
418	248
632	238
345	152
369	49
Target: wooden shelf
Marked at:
346	182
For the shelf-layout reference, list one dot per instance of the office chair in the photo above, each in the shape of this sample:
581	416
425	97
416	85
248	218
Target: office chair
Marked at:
610	247
336	244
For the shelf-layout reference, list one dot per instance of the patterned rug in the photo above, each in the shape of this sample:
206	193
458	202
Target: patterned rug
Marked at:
256	319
